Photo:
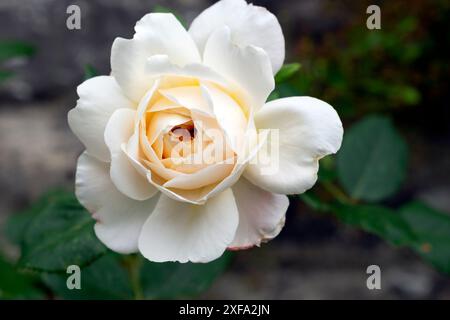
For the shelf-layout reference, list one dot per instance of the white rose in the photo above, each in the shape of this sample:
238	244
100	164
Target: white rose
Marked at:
177	96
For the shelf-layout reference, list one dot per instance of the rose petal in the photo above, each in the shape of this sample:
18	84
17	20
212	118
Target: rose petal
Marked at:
261	214
178	231
201	195
249	25
189	97
209	175
119	218
99	98
249	67
309	129
124	175
161	66
162	122
228	114
156	33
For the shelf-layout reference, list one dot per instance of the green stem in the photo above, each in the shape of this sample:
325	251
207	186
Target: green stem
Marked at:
134	266
337	193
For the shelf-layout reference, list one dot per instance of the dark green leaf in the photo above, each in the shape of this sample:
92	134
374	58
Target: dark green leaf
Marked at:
15	49
425	230
286	72
381	221
410	95
327	170
314	202
373	159
59	234
17	223
89	72
107	278
432	230
103	279
273	95
5	75
176	280
14	285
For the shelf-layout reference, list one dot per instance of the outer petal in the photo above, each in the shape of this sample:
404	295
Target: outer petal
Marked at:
309	129
119	218
124	175
178	231
261	215
249	67
249	25
99	98
156	33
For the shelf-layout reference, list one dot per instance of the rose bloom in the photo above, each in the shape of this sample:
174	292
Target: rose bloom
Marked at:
176	164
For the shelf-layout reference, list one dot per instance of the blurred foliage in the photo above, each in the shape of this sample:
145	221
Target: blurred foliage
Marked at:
360	71
89	72
133	277
175	280
286	72
415	225
57	232
13	50
16	285
105	278
372	162
366	75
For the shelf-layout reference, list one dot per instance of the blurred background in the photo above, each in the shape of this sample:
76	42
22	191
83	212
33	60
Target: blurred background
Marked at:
400	71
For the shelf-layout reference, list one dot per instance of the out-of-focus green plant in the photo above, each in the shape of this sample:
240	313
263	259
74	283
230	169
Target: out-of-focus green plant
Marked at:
12	50
363	73
58	232
16	285
89	72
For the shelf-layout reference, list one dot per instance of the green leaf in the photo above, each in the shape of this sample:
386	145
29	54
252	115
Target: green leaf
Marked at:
372	161
314	202
89	72
378	220
286	72
432	230
5	75
107	278
16	224
410	95
180	280
273	95
60	233
327	170
14	285
415	225
103	279
161	9
15	49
